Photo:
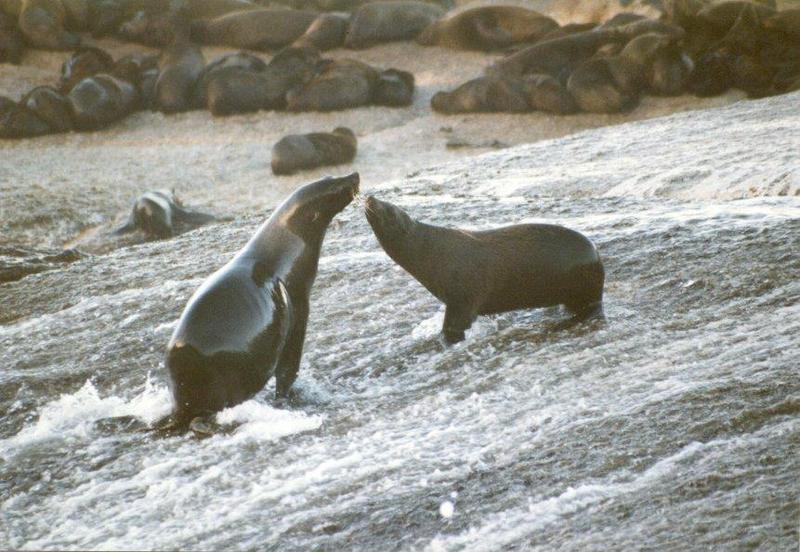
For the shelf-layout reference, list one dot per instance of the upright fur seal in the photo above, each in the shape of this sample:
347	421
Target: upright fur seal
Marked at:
485	272
179	67
158	213
317	149
11	46
487	28
247	321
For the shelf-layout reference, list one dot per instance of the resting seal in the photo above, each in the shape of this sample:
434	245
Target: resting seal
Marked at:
83	63
317	149
50	106
339	84
42	22
158	214
100	100
487	28
247	321
378	22
17	121
326	32
260	29
485	272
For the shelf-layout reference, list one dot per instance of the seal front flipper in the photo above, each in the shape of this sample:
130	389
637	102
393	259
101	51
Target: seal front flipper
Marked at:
289	362
457	320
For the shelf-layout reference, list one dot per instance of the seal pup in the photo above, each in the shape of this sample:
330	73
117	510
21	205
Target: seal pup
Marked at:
261	29
377	22
296	152
247	321
487	28
11	41
159	214
491	271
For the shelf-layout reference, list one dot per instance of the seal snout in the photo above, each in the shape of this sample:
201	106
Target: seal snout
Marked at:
351	181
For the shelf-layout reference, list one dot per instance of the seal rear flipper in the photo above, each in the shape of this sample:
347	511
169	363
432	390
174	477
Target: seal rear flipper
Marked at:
195	218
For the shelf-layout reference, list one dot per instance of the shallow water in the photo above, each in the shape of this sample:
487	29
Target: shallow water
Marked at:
672	425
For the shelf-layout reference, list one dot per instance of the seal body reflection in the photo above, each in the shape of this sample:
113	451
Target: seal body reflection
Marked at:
247	321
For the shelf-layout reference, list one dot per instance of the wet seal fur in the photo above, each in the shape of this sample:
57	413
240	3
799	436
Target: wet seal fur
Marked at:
491	271
158	214
247	321
317	149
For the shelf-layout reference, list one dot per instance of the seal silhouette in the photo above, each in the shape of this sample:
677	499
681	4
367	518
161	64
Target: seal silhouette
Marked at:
485	272
247	321
157	213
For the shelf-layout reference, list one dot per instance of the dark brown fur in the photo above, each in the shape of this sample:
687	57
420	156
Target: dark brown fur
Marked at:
485	272
318	149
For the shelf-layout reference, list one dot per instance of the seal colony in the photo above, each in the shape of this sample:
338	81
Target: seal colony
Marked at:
695	46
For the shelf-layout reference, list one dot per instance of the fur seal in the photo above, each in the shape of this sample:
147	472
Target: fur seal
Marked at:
489	94
241	60
238	88
388	21
100	100
326	32
339	84
11	41
159	214
83	63
261	29
179	67
487	28
555	57
317	149
785	21
723	15
491	271
17	121
50	106
509	94
247	321
394	88
42	23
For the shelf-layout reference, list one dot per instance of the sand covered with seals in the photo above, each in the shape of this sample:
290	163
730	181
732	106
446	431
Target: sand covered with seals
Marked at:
58	189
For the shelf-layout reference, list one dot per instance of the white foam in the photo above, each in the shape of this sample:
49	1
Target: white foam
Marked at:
261	422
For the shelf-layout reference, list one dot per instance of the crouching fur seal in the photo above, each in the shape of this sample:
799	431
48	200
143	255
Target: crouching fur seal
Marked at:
247	321
491	271
306	151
